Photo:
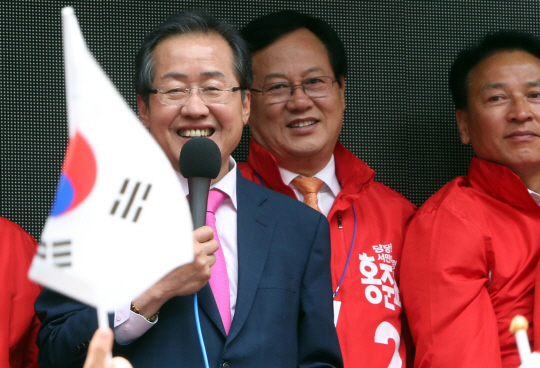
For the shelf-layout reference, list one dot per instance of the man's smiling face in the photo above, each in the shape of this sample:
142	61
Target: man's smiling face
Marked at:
188	61
302	127
502	120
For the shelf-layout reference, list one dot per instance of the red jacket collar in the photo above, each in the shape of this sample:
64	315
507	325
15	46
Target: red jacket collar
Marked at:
351	172
500	183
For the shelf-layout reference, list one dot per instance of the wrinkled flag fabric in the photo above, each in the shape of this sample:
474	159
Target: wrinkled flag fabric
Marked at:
120	220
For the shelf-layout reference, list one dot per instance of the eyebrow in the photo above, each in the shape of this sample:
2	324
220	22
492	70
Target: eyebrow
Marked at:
176	75
311	70
274	75
281	75
493	85
213	74
533	83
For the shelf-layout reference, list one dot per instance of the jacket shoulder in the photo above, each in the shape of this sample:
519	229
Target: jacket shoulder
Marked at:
457	198
388	194
454	195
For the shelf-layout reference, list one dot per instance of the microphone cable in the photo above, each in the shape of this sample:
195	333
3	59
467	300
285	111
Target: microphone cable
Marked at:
199	331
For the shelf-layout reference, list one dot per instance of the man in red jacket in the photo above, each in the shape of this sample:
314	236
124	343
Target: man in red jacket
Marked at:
297	105
471	251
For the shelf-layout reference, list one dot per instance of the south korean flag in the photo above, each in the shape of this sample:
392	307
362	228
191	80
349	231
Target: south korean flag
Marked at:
120	220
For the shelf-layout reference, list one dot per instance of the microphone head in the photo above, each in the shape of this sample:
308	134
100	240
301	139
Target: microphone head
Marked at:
200	158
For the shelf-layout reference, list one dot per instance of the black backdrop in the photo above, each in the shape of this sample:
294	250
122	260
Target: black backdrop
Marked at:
399	116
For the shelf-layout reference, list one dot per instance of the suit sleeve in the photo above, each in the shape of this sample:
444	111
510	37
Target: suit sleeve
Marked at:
444	280
318	344
67	327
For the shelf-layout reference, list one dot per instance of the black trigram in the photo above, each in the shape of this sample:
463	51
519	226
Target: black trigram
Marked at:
60	252
124	206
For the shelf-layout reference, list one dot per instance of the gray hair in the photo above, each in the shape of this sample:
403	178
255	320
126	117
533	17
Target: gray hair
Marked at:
190	22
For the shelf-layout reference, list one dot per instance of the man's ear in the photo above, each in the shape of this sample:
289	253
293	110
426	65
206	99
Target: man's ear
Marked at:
342	92
462	119
144	114
246	107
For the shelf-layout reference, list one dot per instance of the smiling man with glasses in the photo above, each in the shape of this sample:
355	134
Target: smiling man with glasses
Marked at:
297	105
262	278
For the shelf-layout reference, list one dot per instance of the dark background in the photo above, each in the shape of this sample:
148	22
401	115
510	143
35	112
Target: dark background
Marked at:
399	117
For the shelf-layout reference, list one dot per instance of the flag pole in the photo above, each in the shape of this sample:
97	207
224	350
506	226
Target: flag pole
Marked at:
103	323
103	317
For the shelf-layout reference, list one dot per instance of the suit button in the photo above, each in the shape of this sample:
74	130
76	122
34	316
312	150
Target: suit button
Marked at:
78	349
85	345
226	365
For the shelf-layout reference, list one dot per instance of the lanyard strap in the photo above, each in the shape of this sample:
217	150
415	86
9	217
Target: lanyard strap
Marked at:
349	257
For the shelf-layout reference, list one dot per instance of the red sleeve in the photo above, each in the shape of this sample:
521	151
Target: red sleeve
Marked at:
536	315
19	324
444	281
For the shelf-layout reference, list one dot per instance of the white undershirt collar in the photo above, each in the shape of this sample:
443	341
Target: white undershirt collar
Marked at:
328	192
535	196
327	175
227	184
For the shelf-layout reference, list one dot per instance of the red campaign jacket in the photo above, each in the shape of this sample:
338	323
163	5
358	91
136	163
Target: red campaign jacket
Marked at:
468	268
369	321
18	325
536	316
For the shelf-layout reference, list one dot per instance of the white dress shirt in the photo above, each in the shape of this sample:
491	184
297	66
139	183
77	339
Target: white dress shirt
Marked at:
128	326
328	192
535	196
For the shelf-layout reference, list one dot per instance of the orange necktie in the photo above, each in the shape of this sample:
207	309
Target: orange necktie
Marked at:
309	186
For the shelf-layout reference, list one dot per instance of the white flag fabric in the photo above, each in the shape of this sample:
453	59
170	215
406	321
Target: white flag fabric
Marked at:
120	221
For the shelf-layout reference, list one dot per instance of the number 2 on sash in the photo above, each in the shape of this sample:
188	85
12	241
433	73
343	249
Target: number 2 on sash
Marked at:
385	332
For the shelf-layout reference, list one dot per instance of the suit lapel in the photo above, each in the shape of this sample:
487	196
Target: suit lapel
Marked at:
255	234
207	303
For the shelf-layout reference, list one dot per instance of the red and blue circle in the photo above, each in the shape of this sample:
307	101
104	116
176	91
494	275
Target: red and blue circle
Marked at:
78	176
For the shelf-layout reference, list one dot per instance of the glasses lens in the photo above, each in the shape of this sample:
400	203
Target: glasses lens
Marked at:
282	92
318	86
277	92
180	95
214	95
169	95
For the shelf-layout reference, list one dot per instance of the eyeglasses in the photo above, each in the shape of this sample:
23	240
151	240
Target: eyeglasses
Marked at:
174	95
314	87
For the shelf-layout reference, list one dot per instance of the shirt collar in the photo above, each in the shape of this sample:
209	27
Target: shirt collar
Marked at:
327	175
227	184
535	196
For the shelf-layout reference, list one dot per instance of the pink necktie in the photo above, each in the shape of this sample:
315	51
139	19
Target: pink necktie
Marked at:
219	281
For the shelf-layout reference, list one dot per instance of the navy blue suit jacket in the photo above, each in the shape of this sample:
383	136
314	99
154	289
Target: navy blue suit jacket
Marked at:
283	314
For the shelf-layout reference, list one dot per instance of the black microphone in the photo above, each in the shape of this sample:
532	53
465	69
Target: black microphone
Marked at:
200	162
